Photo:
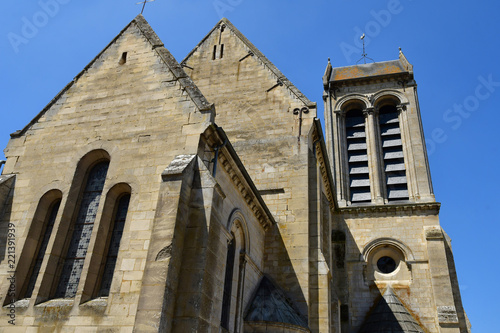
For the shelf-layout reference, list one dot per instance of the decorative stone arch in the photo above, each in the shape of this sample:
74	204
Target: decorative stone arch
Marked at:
131	186
112	196
232	312
352	101
386	241
88	158
387	261
388	96
237	220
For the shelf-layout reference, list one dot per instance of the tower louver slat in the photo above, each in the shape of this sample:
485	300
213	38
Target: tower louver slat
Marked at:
357	157
392	152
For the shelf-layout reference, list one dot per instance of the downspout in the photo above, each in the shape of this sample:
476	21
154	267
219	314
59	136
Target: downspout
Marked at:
299	112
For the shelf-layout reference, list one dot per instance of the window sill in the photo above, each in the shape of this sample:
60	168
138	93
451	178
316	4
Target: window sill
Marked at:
96	306
21	304
96	303
57	303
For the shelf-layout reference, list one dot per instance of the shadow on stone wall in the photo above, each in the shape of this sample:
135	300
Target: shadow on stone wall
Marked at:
202	256
276	255
365	306
462	317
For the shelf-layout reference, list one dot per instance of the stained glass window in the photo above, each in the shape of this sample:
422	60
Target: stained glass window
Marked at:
114	244
41	251
82	231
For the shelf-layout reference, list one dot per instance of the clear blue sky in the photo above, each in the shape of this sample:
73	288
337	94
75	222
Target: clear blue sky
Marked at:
453	45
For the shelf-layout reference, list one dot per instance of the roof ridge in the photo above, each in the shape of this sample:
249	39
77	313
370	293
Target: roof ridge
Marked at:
281	77
185	81
370	63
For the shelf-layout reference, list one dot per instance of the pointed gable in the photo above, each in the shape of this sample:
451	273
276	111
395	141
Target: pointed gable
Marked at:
390	315
252	51
171	66
248	90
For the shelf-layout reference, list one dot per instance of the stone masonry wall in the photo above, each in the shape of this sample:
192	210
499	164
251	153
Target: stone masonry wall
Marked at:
257	115
138	114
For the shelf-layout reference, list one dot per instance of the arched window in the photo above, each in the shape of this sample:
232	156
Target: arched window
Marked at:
228	283
82	231
357	156
42	246
116	231
392	154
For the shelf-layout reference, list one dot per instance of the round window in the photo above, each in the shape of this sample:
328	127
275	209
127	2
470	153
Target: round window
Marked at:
386	265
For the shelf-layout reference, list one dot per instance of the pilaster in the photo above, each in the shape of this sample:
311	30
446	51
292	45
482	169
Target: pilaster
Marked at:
374	163
440	278
340	161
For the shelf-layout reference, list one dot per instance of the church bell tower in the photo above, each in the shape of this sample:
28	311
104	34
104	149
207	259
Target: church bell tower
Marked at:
386	235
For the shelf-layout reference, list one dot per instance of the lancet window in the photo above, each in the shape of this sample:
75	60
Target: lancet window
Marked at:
42	246
118	226
228	284
82	231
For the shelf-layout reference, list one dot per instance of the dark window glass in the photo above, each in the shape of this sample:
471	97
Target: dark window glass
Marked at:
41	250
114	244
228	284
82	231
386	265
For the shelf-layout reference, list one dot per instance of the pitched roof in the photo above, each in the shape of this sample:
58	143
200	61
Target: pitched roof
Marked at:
280	76
390	315
157	45
400	66
270	305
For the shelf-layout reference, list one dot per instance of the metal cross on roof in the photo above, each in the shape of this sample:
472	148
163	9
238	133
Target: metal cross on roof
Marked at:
144	4
364	56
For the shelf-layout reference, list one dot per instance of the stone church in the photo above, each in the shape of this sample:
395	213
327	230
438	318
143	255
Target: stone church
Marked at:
203	196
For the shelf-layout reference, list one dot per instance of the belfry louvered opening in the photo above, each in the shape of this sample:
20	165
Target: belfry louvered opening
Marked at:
392	151
357	157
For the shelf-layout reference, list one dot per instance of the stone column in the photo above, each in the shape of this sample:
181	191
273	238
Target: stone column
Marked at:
374	156
340	164
410	166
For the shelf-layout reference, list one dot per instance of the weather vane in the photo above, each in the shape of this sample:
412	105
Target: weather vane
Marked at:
144	4
364	55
